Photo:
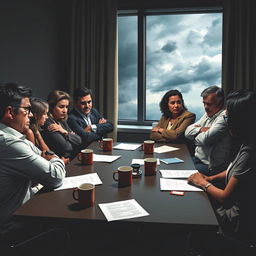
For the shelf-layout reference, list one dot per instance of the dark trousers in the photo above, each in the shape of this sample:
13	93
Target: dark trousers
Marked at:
201	167
204	168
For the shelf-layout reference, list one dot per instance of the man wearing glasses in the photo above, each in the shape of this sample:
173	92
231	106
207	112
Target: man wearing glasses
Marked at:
21	162
210	134
85	120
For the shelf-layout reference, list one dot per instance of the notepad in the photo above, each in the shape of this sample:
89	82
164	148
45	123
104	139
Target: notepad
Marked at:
172	160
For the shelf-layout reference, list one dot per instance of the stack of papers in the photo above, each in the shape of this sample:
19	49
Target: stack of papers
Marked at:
126	209
175	184
127	146
164	149
180	174
75	181
172	160
104	158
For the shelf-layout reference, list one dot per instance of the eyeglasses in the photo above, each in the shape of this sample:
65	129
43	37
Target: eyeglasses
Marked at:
28	109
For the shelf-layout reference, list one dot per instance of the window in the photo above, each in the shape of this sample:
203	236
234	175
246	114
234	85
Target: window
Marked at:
158	52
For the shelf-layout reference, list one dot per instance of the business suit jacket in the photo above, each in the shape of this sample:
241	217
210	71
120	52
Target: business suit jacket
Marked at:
77	123
173	135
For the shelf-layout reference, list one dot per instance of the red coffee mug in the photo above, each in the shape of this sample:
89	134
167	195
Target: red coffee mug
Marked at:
148	146
86	156
150	166
85	194
106	144
124	176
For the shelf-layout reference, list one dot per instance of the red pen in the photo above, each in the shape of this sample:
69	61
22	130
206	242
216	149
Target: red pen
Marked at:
177	193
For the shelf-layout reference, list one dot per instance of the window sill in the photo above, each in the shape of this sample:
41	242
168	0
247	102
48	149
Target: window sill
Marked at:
133	128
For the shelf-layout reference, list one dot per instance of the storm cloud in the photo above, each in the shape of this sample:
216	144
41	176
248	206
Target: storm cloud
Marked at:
169	47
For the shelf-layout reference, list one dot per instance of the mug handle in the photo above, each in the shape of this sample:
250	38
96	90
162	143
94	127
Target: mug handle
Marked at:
75	194
79	157
114	175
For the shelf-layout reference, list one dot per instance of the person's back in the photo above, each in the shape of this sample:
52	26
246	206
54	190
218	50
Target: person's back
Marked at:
245	195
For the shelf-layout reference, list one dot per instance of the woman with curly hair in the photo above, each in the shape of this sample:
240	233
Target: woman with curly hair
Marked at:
174	120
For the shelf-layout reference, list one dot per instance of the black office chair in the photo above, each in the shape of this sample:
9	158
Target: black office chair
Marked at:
235	246
51	242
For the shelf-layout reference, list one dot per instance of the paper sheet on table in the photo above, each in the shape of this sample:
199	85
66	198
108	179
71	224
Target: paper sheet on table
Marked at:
141	161
183	174
104	158
127	146
75	181
164	149
126	209
175	184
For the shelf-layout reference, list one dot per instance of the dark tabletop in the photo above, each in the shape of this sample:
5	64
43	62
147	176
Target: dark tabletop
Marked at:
193	208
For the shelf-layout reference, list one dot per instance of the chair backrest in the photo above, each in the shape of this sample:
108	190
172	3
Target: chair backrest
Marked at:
50	242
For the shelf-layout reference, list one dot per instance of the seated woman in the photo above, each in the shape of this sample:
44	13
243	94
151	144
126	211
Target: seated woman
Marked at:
56	132
174	120
235	205
39	109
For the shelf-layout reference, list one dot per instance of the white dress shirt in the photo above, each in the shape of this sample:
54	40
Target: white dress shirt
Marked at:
21	162
212	146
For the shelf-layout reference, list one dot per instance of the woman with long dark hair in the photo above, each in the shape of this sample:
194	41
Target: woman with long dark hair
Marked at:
235	205
39	109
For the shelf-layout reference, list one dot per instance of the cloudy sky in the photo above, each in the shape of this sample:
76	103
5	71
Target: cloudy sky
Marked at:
182	52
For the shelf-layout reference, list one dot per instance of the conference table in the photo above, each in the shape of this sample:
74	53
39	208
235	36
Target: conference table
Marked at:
193	211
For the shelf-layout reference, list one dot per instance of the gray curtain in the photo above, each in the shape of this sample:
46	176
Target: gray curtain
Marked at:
239	45
93	56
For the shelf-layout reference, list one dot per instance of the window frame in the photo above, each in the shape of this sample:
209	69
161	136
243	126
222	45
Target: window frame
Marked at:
141	61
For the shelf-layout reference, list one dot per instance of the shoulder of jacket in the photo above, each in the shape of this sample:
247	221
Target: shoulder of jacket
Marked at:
188	114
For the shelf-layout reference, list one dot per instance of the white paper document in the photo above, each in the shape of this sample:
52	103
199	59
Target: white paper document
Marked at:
182	174
75	181
141	161
176	184
127	146
164	149
126	209
104	158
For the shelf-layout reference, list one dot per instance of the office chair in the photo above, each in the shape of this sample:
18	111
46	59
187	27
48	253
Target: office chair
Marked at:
235	246
51	242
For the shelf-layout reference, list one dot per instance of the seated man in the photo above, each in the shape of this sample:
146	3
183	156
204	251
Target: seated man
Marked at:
21	162
85	120
210	134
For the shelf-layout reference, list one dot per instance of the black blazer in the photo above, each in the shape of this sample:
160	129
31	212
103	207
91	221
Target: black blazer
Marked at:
63	145
77	123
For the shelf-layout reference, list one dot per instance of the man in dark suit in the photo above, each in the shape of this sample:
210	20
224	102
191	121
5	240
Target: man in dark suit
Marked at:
85	120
